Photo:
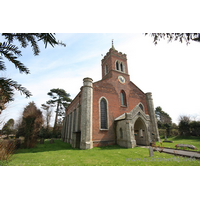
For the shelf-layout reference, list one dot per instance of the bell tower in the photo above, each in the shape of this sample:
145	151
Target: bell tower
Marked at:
114	61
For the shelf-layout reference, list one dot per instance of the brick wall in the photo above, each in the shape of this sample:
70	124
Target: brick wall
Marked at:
110	88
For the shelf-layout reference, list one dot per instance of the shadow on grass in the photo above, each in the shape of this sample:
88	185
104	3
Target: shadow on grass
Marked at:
110	147
56	146
60	145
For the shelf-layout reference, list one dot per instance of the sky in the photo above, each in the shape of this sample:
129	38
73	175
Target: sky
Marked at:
168	70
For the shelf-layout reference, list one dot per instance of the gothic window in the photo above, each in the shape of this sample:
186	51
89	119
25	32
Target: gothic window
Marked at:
121	66
123	98
70	125
106	69
74	120
117	65
141	107
103	110
121	133
79	118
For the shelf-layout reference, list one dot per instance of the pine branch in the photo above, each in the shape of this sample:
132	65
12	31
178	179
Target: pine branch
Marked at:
2	66
48	38
7	50
7	87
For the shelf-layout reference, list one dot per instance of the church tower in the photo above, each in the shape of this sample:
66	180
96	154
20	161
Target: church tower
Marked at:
114	61
111	110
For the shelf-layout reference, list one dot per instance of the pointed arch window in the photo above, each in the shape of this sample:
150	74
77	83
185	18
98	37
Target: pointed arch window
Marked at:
103	110
141	107
123	98
106	69
121	133
74	120
117	65
121	67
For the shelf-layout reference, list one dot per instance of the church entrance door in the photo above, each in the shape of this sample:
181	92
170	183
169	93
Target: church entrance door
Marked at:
78	139
140	132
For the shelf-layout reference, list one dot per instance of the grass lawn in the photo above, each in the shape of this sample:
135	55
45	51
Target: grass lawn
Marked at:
192	140
62	154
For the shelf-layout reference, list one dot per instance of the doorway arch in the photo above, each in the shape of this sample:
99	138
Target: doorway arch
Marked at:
140	132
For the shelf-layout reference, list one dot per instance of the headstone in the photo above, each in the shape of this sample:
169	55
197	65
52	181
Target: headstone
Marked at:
42	141
165	137
151	151
51	141
187	145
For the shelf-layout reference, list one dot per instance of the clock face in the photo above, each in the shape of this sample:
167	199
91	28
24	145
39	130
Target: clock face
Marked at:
121	79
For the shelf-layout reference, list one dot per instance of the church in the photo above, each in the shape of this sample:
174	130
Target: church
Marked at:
110	111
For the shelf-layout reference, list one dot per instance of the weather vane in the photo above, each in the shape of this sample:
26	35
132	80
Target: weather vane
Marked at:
113	44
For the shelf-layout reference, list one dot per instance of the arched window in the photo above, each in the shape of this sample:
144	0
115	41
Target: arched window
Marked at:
121	133
103	109
106	69
141	107
121	66
74	120
117	65
123	98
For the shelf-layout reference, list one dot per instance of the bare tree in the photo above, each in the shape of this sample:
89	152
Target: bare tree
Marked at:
47	112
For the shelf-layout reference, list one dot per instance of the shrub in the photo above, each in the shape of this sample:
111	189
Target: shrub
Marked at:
7	149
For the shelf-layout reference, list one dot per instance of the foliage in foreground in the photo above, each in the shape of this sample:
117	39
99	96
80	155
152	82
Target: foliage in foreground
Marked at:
12	53
7	149
187	37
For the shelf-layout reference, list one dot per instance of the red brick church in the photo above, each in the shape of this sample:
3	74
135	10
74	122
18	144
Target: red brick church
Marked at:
110	111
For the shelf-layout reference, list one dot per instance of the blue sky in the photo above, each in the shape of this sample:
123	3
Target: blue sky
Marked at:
168	70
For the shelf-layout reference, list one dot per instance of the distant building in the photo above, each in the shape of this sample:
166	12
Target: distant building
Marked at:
110	111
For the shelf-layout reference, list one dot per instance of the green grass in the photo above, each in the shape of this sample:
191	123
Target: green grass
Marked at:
62	154
191	140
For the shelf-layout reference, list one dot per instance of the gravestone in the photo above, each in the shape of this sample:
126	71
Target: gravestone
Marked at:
151	151
187	145
51	141
42	141
165	137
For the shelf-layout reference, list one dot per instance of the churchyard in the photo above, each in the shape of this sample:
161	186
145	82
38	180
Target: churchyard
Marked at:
62	154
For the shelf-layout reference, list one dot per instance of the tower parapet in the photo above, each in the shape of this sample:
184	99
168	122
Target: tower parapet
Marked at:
114	60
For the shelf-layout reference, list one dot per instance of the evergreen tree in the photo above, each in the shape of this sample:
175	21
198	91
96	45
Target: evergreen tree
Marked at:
8	127
163	119
12	52
61	100
187	37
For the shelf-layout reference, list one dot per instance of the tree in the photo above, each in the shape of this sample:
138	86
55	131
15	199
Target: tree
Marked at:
8	127
184	125
162	116
163	120
195	128
187	37
61	100
47	115
32	122
12	52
